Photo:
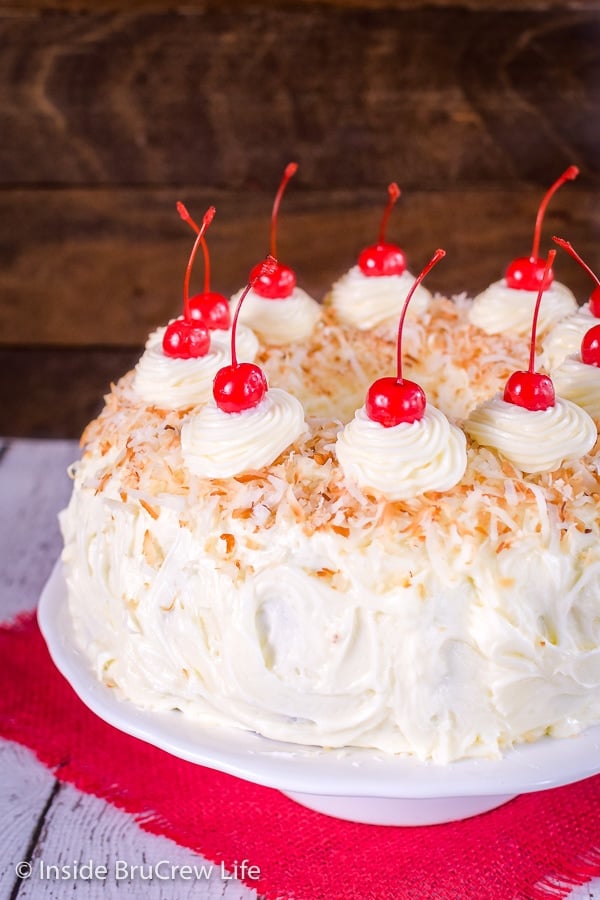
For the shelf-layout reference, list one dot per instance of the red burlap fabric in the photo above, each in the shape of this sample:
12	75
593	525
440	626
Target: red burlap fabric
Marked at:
539	845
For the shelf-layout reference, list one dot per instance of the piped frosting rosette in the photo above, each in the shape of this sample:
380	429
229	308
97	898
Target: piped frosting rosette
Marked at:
217	444
565	338
535	441
172	383
366	301
405	460
501	309
279	321
579	382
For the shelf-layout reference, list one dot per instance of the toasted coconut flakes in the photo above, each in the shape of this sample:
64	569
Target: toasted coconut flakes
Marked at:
151	510
102	483
170	607
244	513
229	542
152	551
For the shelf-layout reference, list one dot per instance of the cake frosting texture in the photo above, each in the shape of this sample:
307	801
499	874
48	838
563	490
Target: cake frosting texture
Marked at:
293	600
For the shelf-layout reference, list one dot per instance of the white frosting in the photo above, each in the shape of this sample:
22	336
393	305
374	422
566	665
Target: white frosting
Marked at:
279	321
535	441
438	643
405	460
172	383
579	382
501	309
565	338
216	444
368	300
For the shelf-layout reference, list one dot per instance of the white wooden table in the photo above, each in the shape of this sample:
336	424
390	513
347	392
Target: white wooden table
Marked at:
40	818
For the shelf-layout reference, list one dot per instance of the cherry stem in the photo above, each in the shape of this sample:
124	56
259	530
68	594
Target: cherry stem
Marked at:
439	254
182	210
569	248
394	192
268	267
543	286
568	175
290	170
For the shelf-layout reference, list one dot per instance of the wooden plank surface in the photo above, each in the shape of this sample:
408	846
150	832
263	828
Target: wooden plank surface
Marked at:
104	267
34	487
186	5
223	94
53	392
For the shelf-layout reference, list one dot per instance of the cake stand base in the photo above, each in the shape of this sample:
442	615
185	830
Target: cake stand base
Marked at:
400	810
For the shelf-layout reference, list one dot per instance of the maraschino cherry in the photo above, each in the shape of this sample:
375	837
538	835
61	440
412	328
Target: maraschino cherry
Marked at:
383	258
210	307
281	281
590	346
187	337
595	296
527	273
241	386
533	390
391	401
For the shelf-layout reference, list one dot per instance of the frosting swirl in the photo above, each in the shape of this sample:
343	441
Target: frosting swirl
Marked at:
216	444
535	441
500	308
365	301
579	382
405	460
279	321
565	338
172	383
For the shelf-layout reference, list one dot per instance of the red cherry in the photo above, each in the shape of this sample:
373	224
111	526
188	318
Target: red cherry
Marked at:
391	401
526	273
595	297
383	258
590	346
278	283
212	308
186	337
531	389
186	340
241	386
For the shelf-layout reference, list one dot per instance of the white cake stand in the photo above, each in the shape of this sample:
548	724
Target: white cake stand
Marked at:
359	785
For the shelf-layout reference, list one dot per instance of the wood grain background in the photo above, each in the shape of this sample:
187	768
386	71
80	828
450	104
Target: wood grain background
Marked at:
109	114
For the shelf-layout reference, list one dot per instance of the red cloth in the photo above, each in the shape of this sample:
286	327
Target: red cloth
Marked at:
538	845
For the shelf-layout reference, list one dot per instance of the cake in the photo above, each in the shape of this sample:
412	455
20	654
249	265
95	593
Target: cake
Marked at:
242	568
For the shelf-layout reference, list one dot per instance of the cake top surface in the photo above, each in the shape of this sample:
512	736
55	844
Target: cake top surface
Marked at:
133	449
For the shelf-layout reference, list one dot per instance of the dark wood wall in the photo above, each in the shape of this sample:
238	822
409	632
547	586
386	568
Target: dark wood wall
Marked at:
110	113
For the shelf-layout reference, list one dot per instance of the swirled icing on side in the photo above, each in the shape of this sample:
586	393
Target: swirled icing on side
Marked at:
365	300
279	321
405	460
171	383
535	441
501	309
565	338
216	444
579	382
